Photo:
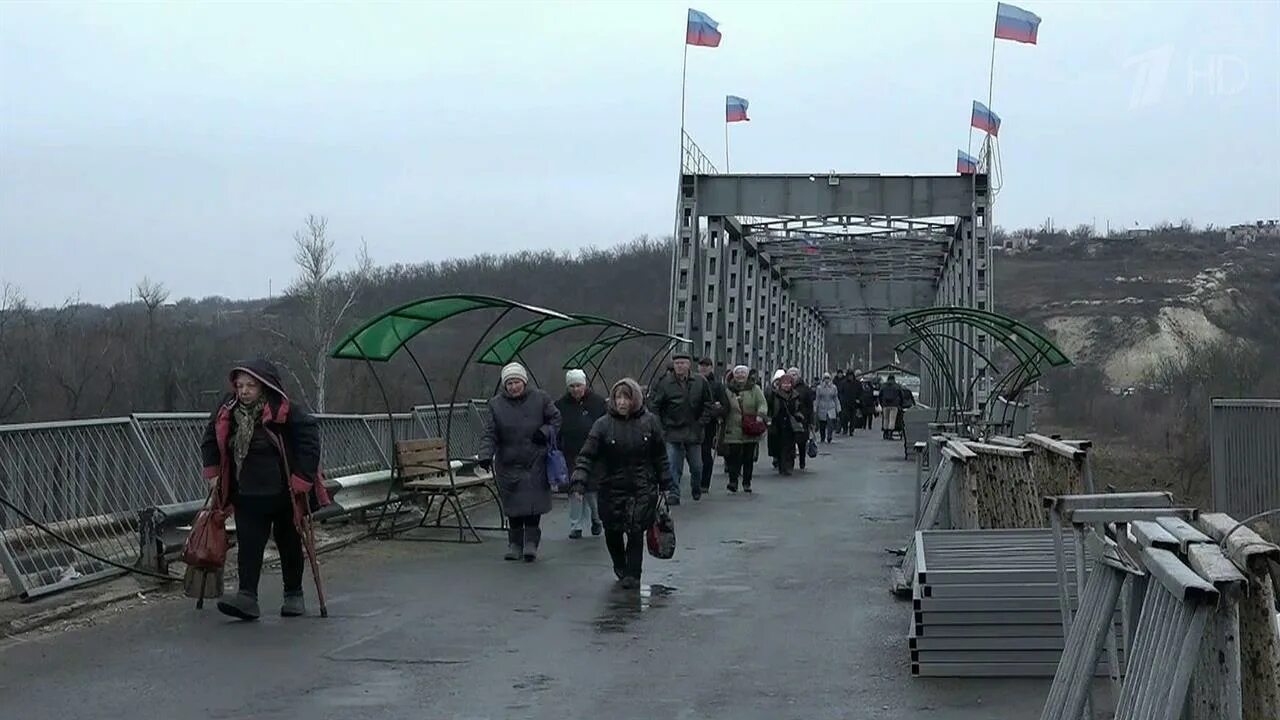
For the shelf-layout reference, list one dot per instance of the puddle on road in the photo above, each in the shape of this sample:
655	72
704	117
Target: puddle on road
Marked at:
623	606
885	518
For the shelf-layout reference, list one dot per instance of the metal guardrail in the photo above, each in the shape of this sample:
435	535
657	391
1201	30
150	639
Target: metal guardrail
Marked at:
462	422
1196	609
84	480
1245	456
115	486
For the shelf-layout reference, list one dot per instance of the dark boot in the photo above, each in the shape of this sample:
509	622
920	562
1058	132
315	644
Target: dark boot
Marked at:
294	605
243	605
515	543
532	537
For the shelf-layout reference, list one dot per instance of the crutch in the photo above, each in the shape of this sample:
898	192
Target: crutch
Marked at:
309	539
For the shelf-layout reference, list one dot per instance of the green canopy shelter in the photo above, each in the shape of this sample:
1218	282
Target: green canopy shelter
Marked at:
385	335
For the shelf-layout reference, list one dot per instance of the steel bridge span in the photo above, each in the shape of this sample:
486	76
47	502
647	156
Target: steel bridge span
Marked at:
767	268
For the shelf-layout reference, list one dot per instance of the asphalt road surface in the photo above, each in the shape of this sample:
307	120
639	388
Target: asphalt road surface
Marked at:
775	606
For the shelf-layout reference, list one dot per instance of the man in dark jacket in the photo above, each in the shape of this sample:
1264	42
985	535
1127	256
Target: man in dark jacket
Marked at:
682	402
260	451
579	410
805	398
890	406
719	407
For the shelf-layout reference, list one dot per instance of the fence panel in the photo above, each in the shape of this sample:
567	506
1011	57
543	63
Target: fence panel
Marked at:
1245	456
348	446
462	422
173	439
84	480
400	426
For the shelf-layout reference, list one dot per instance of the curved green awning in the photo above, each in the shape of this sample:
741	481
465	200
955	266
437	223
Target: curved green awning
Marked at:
1012	331
506	348
602	345
1022	353
381	337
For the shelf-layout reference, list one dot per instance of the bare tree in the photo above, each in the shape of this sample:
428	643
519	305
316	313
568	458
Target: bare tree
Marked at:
15	367
76	353
152	294
326	297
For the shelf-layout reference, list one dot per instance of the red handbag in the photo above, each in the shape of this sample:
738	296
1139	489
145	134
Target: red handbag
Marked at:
752	425
661	535
206	546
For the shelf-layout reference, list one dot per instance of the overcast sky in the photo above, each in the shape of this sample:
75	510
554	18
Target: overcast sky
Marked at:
186	142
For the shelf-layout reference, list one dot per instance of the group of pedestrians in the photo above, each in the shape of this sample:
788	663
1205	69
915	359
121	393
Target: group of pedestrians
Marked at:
628	451
625	453
615	452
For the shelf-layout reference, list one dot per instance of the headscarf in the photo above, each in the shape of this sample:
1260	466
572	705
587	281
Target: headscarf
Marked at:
634	390
247	420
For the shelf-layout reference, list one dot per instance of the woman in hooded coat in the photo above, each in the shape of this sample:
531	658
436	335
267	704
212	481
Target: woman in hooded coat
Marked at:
259	451
626	451
521	421
786	421
746	399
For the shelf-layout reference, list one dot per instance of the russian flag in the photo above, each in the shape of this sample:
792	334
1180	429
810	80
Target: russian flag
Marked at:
1014	23
966	164
985	120
810	246
702	30
735	109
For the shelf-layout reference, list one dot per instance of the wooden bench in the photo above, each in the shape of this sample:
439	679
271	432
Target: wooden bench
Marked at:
424	472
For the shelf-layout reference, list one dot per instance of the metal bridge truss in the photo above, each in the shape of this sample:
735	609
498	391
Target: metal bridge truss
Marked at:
766	267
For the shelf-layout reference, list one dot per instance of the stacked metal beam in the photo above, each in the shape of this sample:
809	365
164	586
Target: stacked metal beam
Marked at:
985	604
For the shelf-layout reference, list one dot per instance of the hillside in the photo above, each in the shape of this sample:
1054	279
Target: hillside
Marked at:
1116	307
1124	305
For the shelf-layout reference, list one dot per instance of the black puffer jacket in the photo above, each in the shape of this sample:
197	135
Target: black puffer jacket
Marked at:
628	455
805	398
576	419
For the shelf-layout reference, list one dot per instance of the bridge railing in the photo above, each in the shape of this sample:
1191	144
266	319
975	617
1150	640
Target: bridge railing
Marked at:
1244	445
95	483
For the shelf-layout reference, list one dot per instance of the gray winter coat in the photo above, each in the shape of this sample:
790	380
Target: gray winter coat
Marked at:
827	405
520	461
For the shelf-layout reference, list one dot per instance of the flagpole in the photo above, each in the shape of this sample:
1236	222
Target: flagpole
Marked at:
675	233
726	144
684	73
991	84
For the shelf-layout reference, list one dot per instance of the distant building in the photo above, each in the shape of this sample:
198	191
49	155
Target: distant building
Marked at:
1133	233
1246	234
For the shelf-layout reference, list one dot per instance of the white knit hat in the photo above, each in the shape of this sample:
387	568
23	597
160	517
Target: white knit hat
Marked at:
575	377
514	370
778	374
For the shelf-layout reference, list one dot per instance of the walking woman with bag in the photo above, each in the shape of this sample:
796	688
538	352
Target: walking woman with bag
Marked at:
260	451
521	423
744	426
626	451
786	422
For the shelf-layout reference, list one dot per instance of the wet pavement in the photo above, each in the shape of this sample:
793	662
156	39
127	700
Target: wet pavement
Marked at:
775	606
